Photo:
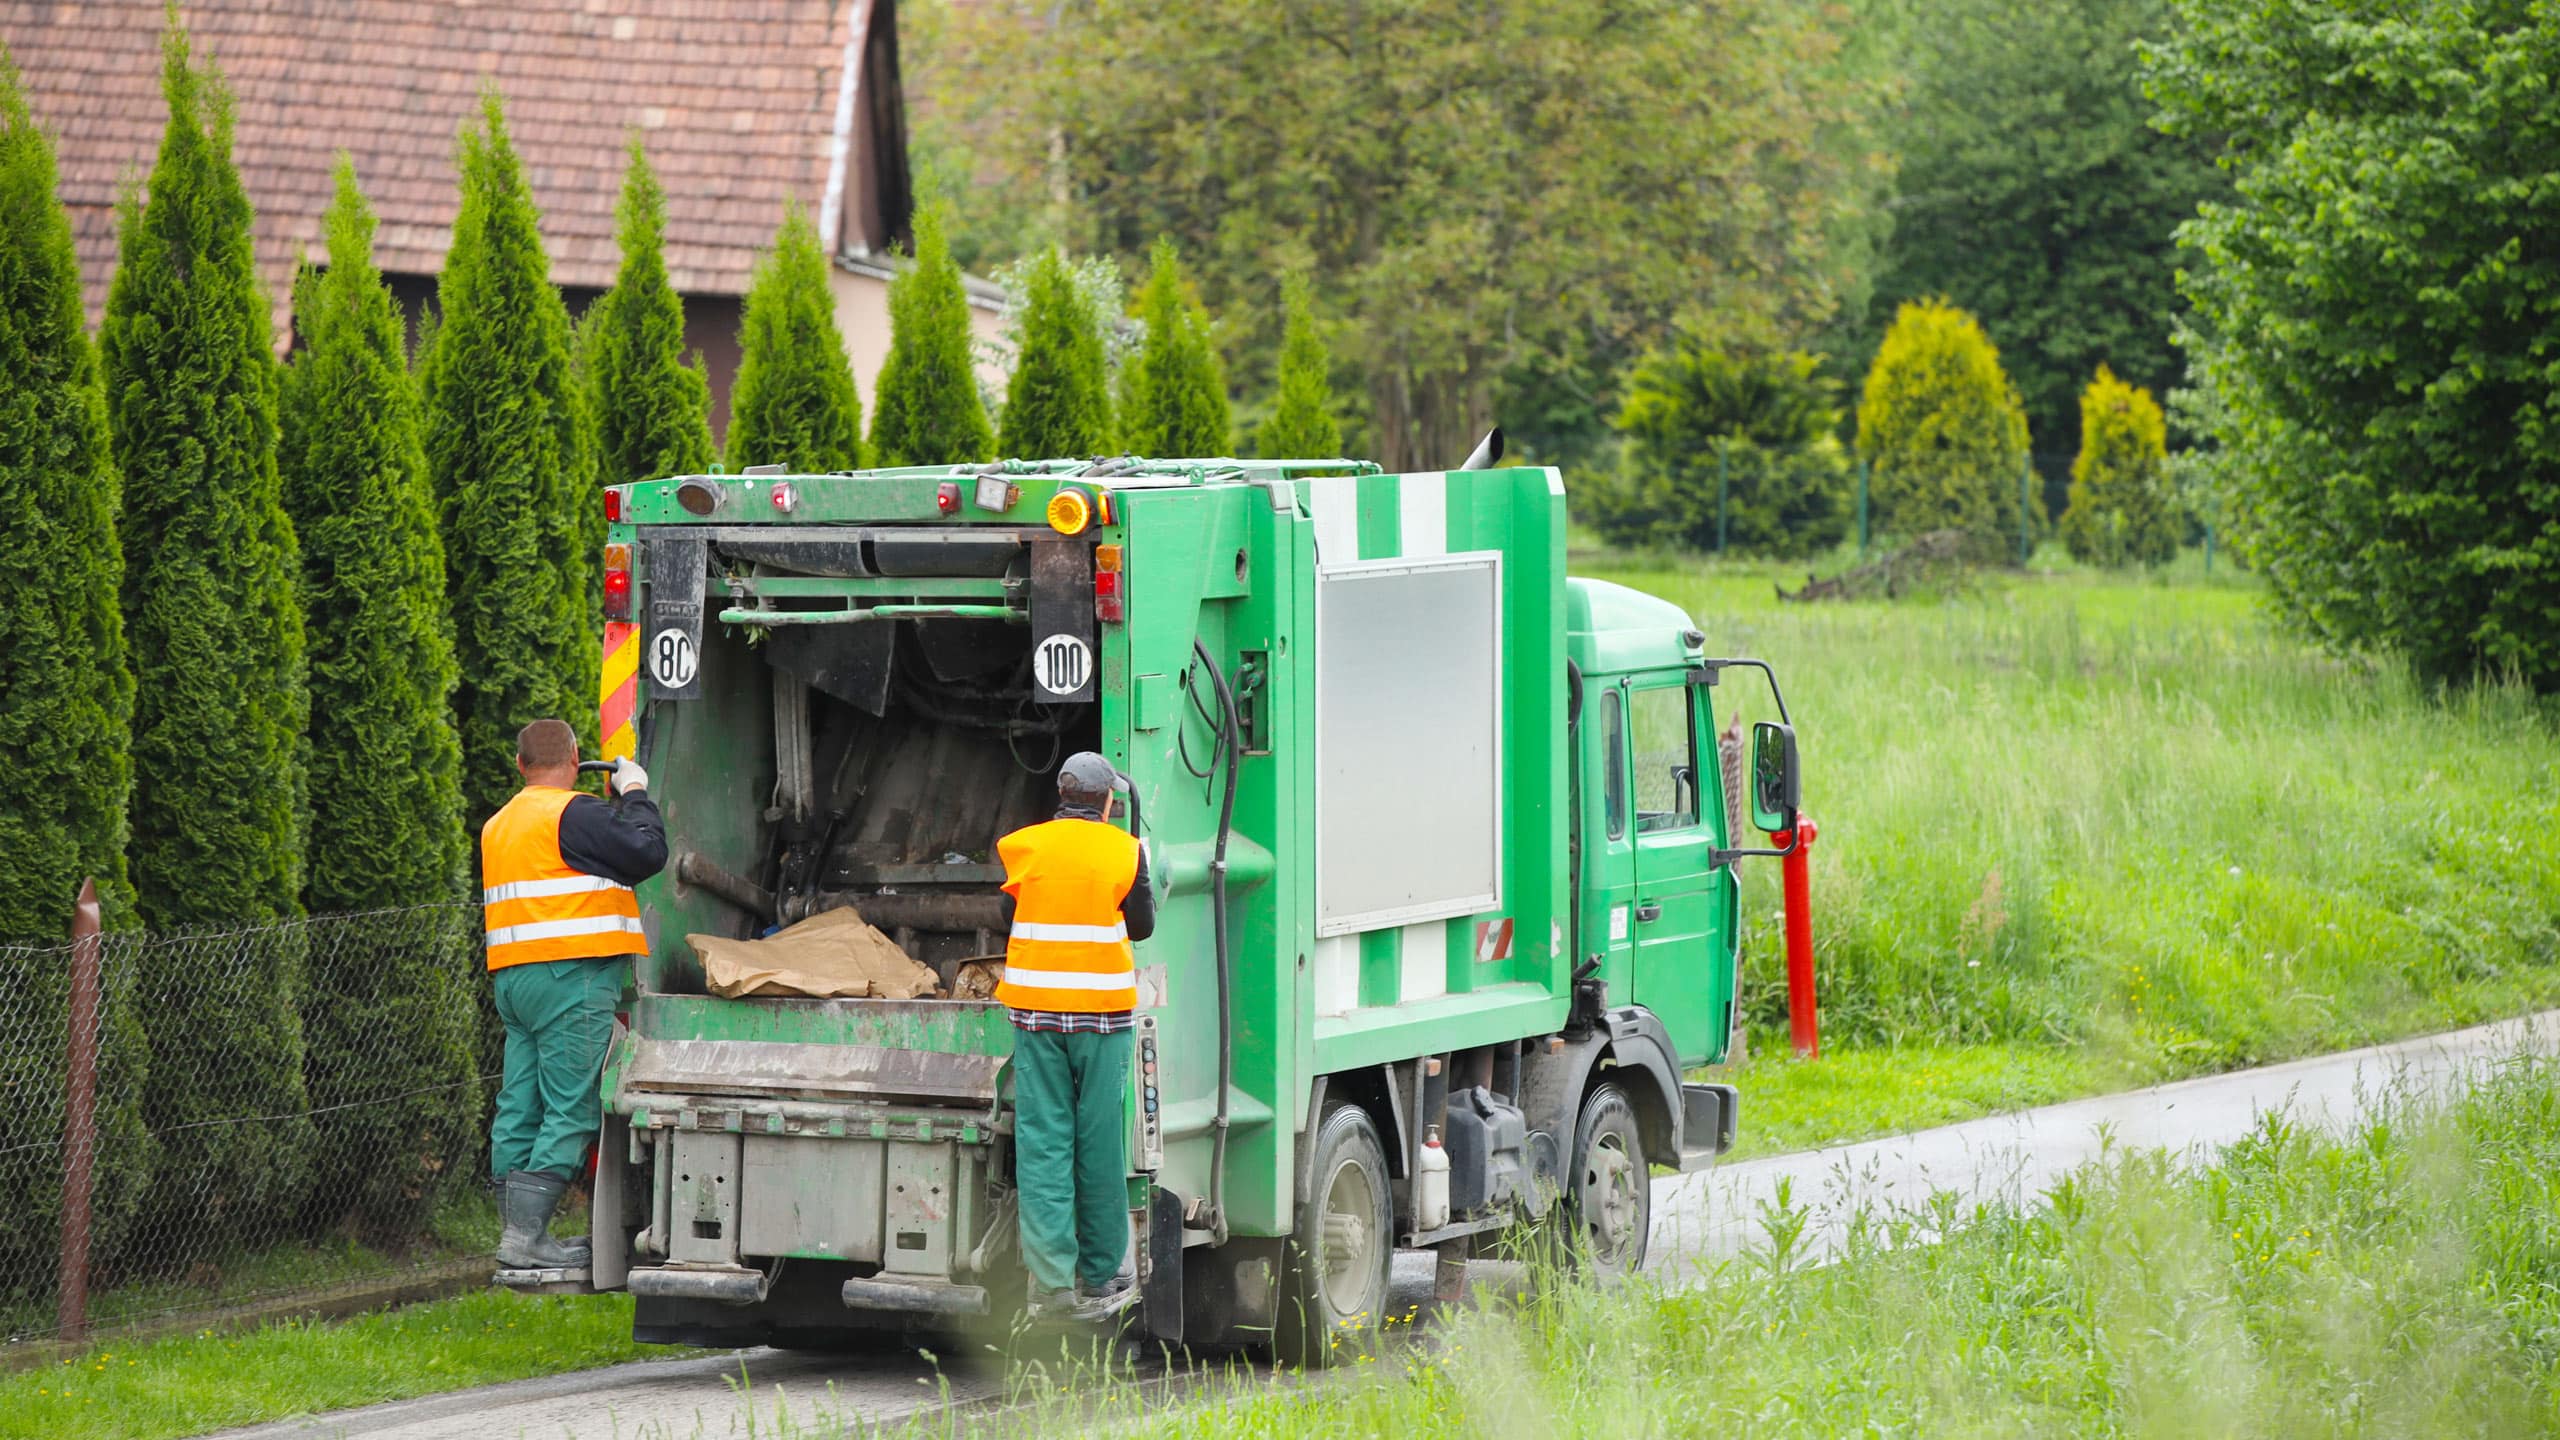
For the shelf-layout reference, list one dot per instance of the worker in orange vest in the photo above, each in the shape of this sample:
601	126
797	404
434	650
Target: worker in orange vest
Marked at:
1077	893
556	870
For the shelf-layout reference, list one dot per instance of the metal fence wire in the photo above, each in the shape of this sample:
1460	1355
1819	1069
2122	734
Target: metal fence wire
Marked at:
268	1113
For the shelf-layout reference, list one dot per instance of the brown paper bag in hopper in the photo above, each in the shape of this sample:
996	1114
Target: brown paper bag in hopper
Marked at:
834	955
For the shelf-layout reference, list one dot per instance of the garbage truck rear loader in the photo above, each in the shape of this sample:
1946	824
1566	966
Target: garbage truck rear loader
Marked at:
1440	847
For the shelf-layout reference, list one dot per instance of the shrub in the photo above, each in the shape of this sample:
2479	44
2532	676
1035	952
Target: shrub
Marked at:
794	402
1301	426
652	411
1058	403
1174	393
927	410
2374	321
386	796
213	614
1943	432
513	475
1763	427
66	700
2121	510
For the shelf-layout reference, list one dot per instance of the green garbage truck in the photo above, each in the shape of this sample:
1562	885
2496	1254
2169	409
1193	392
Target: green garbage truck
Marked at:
1447	904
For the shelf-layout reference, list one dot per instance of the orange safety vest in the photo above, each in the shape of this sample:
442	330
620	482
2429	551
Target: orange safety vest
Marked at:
1069	949
534	906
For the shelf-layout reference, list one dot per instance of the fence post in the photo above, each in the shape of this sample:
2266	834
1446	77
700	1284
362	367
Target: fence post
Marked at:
1724	477
1862	507
79	1116
2208	549
2026	474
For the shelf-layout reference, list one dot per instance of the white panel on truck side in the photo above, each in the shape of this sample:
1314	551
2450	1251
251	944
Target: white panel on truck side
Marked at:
1408	747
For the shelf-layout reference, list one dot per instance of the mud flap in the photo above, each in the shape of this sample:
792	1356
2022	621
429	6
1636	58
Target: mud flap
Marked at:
1161	1287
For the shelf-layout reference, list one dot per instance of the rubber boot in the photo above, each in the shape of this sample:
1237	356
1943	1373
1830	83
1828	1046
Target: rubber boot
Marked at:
525	1202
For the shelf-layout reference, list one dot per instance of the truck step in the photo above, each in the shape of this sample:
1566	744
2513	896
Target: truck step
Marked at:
567	1281
903	1298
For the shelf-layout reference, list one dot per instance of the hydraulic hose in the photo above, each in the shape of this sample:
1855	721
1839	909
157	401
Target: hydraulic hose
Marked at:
1228	729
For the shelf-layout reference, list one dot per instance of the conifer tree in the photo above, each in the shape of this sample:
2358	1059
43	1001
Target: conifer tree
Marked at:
1943	431
652	410
2120	511
926	410
794	402
214	618
66	699
1174	390
513	473
386	798
1301	426
1058	402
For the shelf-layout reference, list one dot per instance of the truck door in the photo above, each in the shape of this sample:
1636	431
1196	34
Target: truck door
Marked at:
1678	894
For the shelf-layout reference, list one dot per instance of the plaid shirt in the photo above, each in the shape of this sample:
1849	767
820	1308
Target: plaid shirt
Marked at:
1066	1022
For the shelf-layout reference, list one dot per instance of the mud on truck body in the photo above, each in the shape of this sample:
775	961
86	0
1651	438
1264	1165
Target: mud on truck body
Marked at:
1439	842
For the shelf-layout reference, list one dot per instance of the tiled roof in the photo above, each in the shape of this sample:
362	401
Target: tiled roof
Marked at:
736	100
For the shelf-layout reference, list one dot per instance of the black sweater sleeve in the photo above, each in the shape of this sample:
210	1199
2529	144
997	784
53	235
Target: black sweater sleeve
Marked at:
1138	908
624	841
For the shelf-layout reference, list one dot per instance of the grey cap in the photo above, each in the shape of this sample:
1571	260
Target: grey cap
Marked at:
1085	778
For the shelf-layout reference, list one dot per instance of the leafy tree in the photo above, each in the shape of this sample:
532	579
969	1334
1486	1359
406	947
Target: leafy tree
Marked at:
1058	403
1301	426
2034	193
214	617
386	797
513	474
2378	315
1764	427
1467	187
652	411
926	410
794	402
2121	508
1942	430
1174	391
66	700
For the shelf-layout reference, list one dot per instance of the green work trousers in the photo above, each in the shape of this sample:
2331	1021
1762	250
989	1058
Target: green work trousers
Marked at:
1071	1154
559	1018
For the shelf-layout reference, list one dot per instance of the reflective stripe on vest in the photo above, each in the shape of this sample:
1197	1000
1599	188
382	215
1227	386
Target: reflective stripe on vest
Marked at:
1069	950
534	906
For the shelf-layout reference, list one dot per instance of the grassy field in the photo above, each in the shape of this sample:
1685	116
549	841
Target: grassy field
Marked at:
2081	832
2394	1282
189	1384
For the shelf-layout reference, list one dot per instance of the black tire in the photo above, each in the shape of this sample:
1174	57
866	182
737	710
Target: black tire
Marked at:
1342	1248
1608	1199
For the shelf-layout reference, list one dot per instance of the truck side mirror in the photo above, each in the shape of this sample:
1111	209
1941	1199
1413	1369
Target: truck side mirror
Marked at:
1776	787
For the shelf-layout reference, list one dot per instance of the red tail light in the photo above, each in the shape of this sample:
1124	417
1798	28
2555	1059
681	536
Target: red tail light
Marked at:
946	497
617	581
613	505
1108	603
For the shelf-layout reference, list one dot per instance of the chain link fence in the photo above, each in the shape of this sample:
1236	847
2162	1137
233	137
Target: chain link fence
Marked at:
204	1121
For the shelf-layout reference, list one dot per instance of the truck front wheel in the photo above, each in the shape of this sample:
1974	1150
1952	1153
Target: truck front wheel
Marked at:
1609	1197
1340	1251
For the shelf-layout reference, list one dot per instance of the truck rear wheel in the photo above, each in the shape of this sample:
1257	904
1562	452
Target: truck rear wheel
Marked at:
1341	1249
1609	1192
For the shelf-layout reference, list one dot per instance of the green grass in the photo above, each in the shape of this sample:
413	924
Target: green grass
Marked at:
2121	819
1851	1094
186	1385
2394	1282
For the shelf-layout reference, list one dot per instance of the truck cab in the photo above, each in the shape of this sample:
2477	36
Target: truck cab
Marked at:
1443	857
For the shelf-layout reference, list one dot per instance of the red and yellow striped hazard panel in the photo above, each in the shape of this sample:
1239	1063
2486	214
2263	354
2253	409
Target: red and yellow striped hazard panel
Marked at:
621	699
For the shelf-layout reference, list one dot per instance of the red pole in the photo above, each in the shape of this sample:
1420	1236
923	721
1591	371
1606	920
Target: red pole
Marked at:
1797	869
79	1115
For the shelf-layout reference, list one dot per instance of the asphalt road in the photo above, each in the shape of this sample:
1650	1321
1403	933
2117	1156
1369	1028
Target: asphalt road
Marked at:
1697	1219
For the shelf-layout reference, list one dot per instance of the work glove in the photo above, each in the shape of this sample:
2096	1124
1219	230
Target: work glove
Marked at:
628	776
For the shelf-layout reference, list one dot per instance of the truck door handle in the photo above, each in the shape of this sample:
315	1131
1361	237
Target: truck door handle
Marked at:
1649	911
